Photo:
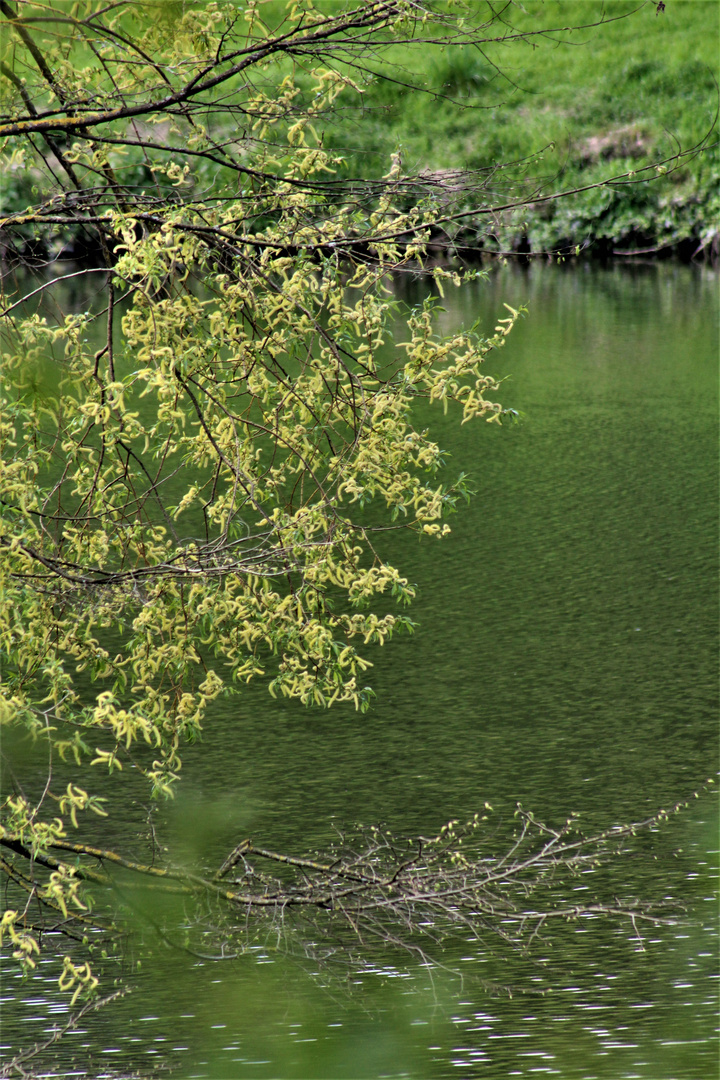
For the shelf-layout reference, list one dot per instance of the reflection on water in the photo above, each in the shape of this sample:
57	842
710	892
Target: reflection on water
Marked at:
613	1013
565	658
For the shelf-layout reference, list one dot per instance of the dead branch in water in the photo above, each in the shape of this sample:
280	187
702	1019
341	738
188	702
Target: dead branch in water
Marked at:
371	888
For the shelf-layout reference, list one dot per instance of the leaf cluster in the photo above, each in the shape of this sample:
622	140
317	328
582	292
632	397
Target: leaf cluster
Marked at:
188	462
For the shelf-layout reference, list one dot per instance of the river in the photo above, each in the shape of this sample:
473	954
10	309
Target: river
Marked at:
565	658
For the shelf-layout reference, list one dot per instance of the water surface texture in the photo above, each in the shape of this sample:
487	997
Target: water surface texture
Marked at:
566	657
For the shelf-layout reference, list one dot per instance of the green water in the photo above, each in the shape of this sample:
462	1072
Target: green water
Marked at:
566	657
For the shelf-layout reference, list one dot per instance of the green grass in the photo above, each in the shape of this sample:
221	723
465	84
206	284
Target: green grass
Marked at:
608	99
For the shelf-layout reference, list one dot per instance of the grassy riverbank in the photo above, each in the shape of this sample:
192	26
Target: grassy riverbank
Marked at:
570	108
582	105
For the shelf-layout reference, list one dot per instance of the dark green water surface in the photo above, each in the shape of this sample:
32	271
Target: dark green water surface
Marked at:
566	657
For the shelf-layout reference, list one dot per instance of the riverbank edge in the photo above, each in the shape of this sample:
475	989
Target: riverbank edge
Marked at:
469	245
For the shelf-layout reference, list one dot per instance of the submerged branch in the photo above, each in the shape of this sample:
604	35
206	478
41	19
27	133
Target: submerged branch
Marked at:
409	893
16	1067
